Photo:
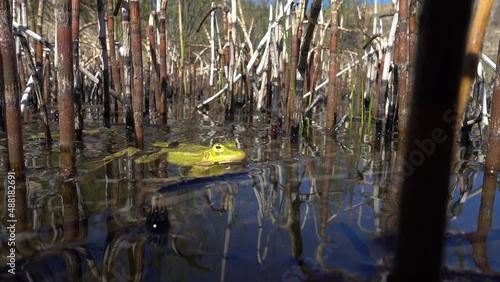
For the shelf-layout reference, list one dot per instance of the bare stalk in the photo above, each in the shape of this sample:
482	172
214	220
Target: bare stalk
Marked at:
163	61
492	165
137	98
332	69
105	66
401	60
75	34
113	64
127	68
65	86
473	50
10	90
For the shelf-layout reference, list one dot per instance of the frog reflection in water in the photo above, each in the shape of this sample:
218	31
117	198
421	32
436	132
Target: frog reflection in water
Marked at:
183	154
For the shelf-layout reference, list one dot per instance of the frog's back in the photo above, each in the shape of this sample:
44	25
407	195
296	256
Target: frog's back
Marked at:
190	155
180	147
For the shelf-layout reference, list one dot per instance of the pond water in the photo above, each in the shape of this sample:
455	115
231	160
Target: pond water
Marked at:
323	209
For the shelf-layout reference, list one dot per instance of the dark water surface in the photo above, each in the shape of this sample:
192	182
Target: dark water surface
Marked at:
319	210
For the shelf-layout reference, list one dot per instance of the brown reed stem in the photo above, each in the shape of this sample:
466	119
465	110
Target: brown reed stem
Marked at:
492	165
113	64
21	72
306	44
231	37
38	45
127	68
412	48
137	98
163	63
46	78
75	33
332	70
42	108
10	90
440	59
479	239
104	66
182	45
294	99
155	68
65	87
474	46
401	59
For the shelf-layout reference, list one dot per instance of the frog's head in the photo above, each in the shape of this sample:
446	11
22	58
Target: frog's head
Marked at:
223	153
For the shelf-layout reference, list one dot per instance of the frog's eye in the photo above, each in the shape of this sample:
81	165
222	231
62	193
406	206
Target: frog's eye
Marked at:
218	148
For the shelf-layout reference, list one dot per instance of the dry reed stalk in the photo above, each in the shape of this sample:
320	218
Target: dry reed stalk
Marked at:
262	69
378	95
19	13
163	62
54	83
480	238
401	59
230	101
182	45
35	78
10	90
294	101
276	87
113	64
492	164
384	97
377	67
154	71
75	35
212	46
193	83
246	33
232	60
148	83
412	46
308	38
46	78
332	69
474	46
268	84
318	65
21	71
65	87
357	95
127	68
104	65
39	30
225	56
426	172
137	98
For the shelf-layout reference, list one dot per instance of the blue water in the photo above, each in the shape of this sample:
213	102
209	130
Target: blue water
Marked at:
282	215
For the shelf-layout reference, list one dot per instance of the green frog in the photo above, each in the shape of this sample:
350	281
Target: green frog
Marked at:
188	154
